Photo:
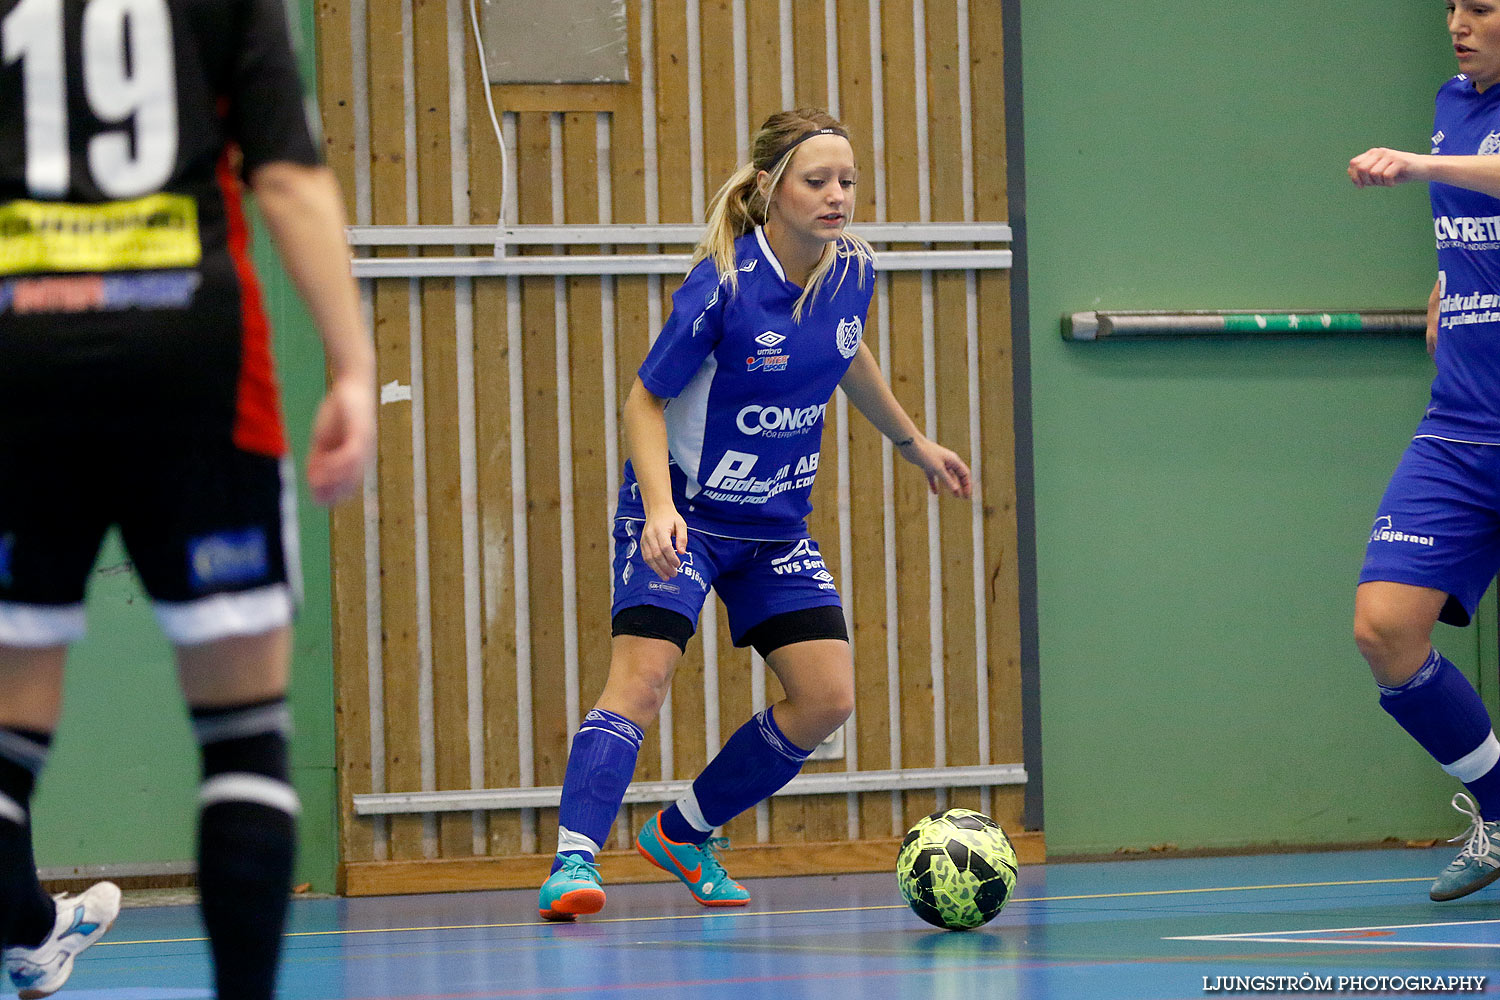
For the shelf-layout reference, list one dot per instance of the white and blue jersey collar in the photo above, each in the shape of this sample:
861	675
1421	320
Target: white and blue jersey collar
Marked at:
770	255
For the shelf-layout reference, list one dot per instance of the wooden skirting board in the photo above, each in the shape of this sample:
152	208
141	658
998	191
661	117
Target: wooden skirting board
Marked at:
526	871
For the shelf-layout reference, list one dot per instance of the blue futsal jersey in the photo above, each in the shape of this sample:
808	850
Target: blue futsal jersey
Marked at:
747	387
1465	402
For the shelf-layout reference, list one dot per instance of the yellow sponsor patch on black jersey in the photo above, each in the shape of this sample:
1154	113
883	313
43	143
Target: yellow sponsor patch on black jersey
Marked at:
158	231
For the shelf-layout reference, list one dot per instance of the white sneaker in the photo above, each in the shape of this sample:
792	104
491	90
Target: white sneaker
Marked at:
1478	864
81	920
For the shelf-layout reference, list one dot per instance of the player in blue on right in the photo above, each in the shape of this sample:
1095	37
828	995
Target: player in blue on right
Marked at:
724	425
1436	541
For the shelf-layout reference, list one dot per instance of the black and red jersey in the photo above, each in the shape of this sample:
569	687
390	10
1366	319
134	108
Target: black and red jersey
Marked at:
126	289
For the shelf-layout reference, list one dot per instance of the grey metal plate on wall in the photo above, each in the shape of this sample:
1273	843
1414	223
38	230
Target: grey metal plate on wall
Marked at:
560	41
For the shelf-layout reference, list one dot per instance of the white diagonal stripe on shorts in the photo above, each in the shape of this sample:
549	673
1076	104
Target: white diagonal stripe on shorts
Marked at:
241	786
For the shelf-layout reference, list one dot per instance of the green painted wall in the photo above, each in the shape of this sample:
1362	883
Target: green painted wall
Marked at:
121	785
1202	506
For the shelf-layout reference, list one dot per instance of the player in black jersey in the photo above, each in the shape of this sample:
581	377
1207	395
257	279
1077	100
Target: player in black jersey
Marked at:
137	389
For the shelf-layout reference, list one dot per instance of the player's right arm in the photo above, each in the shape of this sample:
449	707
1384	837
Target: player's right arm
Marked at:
1381	167
664	536
1434	307
305	214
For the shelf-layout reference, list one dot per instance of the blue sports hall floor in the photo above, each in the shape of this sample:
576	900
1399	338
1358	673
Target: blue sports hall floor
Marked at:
1359	921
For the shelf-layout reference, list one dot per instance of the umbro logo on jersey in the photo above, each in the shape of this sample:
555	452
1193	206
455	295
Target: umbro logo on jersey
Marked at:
1437	140
769	339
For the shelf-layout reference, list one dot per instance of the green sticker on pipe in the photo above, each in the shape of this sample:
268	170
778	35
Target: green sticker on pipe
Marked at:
1292	322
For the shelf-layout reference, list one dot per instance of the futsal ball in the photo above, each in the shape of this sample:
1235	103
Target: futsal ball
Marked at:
956	869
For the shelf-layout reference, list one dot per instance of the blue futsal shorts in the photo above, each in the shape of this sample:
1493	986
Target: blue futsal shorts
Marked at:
1438	524
754	579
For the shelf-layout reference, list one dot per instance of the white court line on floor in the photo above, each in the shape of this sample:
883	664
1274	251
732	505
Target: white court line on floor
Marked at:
1284	937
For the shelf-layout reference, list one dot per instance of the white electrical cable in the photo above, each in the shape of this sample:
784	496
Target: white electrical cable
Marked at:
489	100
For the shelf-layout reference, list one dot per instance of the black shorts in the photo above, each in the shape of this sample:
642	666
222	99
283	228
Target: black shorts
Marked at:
211	530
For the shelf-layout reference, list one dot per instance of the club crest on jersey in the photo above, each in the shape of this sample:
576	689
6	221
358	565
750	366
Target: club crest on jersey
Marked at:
848	335
1491	144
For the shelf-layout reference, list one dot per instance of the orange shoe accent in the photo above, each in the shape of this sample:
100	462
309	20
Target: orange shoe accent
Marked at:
571	904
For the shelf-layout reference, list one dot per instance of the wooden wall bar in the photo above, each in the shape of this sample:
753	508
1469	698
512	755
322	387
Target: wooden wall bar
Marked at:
584	154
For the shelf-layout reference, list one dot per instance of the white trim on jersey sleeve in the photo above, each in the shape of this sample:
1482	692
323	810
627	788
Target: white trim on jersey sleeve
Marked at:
687	422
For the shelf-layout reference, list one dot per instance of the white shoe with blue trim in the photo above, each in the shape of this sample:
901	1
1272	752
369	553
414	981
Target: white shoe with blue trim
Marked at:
81	920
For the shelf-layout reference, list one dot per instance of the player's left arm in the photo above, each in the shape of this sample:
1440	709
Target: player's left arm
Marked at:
304	212
1381	167
867	390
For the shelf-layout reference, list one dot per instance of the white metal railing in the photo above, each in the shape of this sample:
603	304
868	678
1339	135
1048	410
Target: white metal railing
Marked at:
503	239
825	783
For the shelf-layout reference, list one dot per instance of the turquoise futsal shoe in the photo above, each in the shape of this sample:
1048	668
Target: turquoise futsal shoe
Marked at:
1478	864
697	866
572	889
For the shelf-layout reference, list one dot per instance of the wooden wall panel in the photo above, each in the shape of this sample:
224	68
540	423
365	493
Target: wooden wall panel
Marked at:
763	46
997	415
543	495
903	202
592	481
350	613
944	109
561	127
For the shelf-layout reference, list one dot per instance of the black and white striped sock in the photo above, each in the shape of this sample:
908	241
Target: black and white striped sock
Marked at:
246	842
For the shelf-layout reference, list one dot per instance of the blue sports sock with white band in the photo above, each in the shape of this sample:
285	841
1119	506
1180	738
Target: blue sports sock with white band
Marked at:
756	761
600	767
1442	711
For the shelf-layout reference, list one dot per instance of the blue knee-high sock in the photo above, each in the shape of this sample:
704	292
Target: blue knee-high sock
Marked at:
1442	711
599	769
757	760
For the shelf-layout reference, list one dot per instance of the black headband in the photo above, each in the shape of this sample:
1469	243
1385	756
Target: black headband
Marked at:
800	140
